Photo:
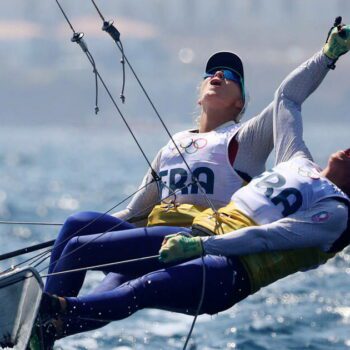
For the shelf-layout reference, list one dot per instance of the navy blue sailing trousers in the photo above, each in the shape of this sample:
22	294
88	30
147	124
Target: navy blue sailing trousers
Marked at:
135	285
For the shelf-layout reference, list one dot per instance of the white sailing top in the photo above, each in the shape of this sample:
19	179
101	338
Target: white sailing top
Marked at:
292	186
207	160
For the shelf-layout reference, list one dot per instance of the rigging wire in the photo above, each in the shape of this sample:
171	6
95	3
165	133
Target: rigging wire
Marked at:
134	216
201	299
194	179
48	251
38	258
122	61
35	223
108	27
78	38
97	236
114	33
100	266
46	254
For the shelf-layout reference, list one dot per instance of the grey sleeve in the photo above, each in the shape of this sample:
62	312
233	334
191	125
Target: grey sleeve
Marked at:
259	135
146	198
255	139
301	230
287	119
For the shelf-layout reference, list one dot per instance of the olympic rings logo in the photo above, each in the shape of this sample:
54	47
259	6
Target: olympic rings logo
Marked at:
190	146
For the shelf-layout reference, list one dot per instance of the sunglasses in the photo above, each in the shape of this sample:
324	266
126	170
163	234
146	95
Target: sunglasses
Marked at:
229	75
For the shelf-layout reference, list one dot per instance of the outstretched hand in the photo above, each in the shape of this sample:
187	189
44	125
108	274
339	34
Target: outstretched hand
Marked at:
338	42
179	247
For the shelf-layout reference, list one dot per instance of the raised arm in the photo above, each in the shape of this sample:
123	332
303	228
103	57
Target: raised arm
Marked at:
287	119
270	128
297	87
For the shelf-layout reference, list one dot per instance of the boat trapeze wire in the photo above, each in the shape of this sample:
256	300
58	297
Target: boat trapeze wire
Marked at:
115	34
99	266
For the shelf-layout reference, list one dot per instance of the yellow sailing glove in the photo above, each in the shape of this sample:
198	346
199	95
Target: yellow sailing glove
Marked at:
338	42
179	247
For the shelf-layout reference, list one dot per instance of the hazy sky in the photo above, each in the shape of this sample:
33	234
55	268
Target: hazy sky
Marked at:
47	79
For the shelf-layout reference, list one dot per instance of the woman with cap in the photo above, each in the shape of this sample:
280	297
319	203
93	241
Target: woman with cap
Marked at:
312	226
198	168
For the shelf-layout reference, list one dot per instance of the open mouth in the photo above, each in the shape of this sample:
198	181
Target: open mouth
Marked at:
215	82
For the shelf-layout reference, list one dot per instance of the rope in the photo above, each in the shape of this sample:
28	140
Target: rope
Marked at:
204	277
97	236
100	266
114	33
38	223
78	38
48	251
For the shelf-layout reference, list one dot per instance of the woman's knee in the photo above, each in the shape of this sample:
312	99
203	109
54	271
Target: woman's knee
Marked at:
76	223
72	245
80	218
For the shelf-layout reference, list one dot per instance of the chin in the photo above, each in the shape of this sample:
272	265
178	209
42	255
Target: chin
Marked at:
211	100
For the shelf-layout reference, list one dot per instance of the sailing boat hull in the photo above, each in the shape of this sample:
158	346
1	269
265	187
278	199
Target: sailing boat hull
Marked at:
20	295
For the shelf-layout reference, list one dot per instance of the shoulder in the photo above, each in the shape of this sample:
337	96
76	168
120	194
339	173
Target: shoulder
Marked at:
228	128
263	119
184	133
324	223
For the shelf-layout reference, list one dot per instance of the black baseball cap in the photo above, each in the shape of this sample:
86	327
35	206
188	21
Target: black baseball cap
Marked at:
226	60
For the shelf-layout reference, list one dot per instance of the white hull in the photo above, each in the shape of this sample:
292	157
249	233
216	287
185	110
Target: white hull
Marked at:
20	294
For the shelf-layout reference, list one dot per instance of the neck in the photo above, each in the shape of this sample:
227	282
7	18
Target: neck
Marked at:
337	180
326	172
211	119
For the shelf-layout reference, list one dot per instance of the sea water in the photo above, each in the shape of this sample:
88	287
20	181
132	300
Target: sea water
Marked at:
47	174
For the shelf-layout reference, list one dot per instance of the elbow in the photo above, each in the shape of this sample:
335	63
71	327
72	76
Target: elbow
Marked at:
263	245
261	242
284	102
289	98
280	98
278	93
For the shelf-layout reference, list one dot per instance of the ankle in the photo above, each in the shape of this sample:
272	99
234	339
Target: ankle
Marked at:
63	304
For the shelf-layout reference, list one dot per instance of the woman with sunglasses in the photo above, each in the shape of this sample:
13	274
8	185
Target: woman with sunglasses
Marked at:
319	223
